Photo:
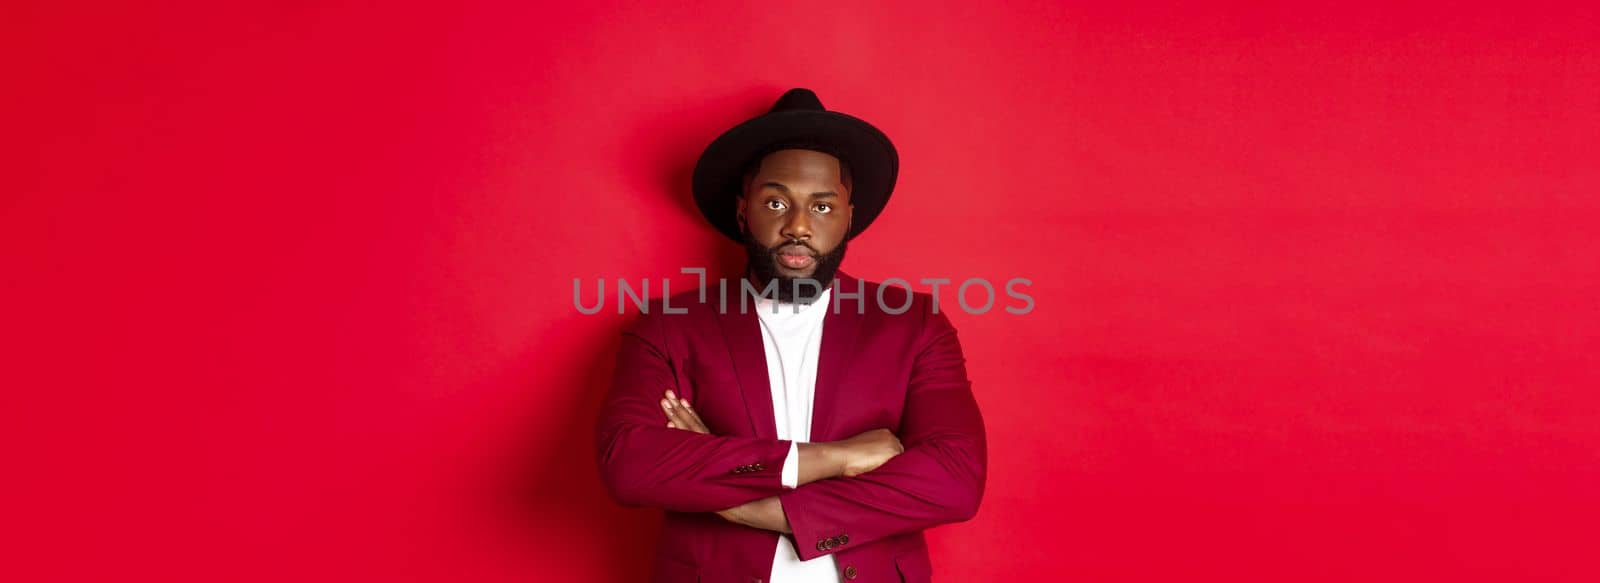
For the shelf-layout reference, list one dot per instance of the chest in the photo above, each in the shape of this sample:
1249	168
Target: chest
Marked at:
852	391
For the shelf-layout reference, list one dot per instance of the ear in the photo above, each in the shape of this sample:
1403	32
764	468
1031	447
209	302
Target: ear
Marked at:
738	213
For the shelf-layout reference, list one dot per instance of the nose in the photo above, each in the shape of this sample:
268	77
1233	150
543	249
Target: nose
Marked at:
797	227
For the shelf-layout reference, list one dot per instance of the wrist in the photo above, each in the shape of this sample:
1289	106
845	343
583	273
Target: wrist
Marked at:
734	514
836	456
823	460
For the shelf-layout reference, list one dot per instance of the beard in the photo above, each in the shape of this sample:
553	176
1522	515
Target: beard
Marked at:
763	265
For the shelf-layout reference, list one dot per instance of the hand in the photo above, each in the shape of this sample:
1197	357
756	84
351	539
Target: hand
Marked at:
681	416
866	451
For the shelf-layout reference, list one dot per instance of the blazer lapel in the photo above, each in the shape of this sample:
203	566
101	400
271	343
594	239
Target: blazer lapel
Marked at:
741	331
839	331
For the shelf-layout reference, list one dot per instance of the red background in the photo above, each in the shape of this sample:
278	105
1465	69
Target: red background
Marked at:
288	286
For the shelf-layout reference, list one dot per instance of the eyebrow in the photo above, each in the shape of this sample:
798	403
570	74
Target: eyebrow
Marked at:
785	190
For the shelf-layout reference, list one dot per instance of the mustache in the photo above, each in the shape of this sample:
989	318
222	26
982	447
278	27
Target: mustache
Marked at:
763	264
794	245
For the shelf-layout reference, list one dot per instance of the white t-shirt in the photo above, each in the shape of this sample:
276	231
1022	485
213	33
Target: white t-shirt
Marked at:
793	341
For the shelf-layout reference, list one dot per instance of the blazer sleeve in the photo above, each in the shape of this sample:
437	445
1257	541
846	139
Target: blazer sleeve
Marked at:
644	463
938	479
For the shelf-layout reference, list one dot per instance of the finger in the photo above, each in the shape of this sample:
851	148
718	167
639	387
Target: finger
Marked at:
674	410
687	414
692	417
683	419
671	412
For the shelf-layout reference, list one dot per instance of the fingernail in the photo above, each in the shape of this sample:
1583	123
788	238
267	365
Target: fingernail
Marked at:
670	395
668	404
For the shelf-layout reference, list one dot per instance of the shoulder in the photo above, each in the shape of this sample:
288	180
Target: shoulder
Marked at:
660	317
893	302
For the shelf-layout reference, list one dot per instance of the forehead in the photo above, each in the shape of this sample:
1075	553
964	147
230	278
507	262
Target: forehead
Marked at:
806	166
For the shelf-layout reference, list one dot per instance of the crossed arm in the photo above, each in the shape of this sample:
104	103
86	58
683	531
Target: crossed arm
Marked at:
852	492
816	461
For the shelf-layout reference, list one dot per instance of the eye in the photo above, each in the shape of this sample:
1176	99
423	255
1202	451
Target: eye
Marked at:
823	207
775	204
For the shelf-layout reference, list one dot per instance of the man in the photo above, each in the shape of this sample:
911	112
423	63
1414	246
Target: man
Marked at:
812	434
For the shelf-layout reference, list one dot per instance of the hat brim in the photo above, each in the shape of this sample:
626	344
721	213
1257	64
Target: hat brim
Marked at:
874	163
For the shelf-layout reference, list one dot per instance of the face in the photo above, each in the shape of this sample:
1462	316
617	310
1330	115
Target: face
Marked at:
795	213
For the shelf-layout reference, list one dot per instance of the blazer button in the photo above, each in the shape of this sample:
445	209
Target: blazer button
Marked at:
822	545
850	572
844	538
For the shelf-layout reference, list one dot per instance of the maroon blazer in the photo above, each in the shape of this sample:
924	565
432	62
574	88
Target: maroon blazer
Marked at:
877	369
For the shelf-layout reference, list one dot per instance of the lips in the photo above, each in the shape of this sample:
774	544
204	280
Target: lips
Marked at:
795	257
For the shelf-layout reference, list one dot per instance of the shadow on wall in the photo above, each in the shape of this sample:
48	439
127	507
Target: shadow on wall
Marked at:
555	490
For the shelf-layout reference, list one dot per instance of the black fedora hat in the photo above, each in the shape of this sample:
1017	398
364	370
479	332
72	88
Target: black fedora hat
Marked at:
797	121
